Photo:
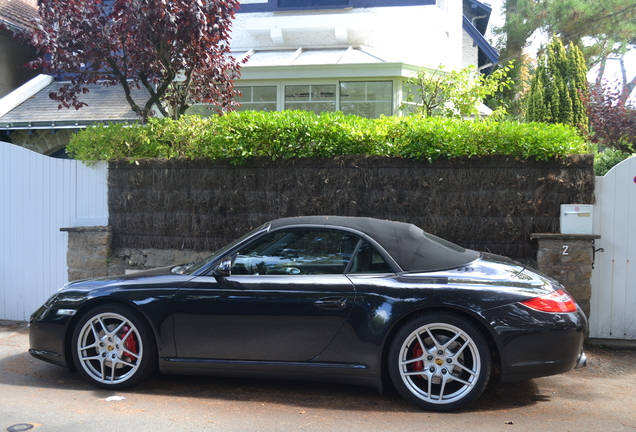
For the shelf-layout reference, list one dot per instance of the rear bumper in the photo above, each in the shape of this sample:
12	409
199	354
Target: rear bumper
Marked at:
535	344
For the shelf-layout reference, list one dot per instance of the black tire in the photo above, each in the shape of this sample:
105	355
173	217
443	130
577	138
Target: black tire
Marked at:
114	347
439	361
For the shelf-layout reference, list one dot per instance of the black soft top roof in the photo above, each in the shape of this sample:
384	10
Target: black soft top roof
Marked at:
412	249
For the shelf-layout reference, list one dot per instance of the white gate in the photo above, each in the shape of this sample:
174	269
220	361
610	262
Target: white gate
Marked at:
614	277
39	195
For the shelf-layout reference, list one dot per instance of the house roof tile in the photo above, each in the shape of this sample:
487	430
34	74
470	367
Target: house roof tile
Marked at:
104	104
18	13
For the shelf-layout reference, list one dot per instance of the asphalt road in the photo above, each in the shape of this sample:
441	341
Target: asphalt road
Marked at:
43	397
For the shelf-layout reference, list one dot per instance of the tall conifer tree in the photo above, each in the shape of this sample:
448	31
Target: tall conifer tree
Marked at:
558	87
578	86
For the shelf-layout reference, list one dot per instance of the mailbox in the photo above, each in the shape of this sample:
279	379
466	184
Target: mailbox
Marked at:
576	218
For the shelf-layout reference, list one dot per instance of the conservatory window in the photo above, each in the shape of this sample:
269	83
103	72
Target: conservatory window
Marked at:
369	99
253	98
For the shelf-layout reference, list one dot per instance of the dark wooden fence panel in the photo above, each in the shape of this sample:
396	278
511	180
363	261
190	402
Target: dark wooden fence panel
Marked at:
485	203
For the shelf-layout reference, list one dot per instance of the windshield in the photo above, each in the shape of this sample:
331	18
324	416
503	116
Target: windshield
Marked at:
193	268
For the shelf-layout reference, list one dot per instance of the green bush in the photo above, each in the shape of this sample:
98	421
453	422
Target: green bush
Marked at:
607	159
240	136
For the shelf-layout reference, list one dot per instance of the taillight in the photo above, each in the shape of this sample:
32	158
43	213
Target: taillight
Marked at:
558	301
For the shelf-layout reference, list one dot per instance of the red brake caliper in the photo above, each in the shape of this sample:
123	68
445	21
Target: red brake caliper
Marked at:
130	344
417	352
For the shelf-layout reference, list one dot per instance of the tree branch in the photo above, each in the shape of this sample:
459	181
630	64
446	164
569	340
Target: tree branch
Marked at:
123	81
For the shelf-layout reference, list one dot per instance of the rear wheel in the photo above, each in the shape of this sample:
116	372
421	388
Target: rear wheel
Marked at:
114	347
440	362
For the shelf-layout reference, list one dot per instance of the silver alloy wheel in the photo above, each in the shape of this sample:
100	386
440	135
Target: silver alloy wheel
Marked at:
439	363
109	348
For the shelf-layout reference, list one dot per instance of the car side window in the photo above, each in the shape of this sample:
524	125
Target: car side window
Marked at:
297	252
368	260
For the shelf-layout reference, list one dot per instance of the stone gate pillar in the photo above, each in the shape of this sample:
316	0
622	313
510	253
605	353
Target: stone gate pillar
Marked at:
569	258
88	251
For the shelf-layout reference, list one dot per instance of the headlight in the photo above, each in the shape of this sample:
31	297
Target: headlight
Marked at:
49	303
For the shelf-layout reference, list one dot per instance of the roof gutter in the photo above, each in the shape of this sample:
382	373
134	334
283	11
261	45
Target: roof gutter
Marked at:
53	126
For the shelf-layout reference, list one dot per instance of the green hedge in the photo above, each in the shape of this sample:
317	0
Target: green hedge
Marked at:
240	136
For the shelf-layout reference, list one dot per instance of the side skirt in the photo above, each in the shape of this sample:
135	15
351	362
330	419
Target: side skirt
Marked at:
296	371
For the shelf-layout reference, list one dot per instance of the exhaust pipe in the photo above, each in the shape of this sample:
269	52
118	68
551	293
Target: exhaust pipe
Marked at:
582	361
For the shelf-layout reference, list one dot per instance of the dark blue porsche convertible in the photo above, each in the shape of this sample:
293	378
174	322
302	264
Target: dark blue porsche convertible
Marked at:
344	299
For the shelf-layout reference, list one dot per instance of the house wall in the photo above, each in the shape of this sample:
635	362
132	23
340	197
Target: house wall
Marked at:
425	35
470	51
13	57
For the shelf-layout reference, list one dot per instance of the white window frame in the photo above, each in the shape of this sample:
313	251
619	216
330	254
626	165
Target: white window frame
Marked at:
281	84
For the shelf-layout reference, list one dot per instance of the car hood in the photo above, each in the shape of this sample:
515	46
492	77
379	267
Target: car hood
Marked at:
159	276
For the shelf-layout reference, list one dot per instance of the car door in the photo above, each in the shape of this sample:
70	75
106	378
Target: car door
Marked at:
285	300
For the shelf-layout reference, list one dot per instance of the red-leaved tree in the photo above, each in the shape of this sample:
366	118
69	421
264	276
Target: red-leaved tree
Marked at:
612	121
176	49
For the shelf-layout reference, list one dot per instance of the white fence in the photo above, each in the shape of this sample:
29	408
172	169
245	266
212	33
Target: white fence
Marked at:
614	277
39	195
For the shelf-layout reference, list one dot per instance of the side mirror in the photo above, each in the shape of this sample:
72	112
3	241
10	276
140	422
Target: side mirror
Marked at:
224	267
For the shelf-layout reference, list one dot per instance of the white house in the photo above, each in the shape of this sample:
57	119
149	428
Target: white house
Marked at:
351	55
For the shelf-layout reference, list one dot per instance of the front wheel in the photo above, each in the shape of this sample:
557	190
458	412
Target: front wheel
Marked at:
440	362
114	347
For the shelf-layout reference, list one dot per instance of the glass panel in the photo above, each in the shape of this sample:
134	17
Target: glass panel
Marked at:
297	252
380	91
352	91
316	98
246	94
296	93
264	94
369	99
321	56
368	260
323	93
257	98
261	58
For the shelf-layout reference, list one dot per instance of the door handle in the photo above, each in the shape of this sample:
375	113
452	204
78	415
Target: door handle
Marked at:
331	303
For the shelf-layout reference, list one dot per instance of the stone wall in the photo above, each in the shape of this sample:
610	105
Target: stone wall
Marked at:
42	141
125	260
90	255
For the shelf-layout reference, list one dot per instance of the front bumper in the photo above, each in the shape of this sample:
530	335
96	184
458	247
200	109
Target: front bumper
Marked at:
47	336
